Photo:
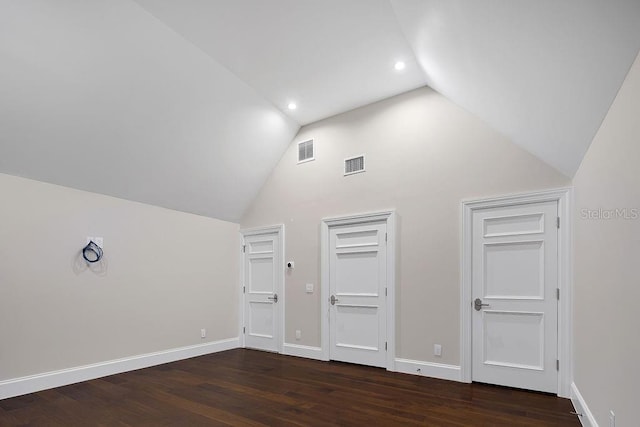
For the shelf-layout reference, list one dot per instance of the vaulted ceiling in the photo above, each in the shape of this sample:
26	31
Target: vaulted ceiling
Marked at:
183	103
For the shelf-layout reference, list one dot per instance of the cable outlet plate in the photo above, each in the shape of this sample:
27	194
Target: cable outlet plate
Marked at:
437	350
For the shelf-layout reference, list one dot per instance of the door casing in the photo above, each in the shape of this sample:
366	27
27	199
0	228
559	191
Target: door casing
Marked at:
278	229
563	197
390	217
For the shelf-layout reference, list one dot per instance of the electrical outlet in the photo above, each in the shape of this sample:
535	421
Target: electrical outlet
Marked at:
203	333
437	350
612	419
298	334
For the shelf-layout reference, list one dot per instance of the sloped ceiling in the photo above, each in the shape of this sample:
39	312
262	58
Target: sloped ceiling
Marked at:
327	56
183	103
101	96
542	72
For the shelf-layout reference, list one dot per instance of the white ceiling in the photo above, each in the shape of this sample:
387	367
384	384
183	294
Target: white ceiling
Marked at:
328	56
182	103
542	72
101	96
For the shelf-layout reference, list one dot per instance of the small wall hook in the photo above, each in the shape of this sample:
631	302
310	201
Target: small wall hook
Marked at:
92	252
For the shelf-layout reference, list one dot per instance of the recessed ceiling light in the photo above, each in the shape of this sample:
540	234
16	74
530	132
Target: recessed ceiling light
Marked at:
292	106
399	66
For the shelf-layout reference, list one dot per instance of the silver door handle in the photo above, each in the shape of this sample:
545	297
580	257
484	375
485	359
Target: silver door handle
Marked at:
333	300
274	298
477	304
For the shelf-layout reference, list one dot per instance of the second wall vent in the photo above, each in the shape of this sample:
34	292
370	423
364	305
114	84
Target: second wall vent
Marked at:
354	165
305	151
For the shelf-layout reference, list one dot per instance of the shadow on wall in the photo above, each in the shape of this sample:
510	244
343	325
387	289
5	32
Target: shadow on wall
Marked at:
80	265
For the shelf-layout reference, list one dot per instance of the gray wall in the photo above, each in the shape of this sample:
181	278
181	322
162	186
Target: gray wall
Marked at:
424	155
606	260
165	275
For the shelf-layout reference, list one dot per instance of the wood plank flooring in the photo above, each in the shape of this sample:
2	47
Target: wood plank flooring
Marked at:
251	388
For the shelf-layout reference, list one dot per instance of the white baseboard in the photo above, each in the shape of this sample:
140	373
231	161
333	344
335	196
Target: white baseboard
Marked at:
24	385
429	369
303	351
580	406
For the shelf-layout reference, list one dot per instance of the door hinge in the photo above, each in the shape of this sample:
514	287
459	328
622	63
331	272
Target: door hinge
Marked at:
244	290
244	329
557	364
385	292
244	248
558	293
558	222
385	346
385	237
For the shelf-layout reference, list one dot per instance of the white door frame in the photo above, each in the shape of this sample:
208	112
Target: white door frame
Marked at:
390	217
565	280
279	229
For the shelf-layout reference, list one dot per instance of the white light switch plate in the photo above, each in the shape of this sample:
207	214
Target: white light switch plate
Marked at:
309	288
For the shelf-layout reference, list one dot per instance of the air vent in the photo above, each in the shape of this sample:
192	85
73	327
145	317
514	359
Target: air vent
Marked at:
305	151
354	165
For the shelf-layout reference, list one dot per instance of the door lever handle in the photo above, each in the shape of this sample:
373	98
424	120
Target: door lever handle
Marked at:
333	300
477	304
274	298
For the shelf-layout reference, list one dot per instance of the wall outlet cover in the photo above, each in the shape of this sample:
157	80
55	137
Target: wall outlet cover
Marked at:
437	350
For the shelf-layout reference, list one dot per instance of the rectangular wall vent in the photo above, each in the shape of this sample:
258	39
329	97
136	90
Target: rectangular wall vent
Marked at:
354	165
305	151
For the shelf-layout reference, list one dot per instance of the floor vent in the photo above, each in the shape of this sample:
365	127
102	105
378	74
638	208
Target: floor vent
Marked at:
354	165
305	151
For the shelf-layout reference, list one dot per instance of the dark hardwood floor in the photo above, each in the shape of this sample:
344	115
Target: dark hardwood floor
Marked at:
245	387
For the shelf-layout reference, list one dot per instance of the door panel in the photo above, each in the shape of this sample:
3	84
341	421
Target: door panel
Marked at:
357	273
515	277
513	225
514	262
261	319
357	327
357	267
262	275
515	339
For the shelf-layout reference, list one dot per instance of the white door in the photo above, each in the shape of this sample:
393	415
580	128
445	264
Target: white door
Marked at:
357	284
514	300
262	295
